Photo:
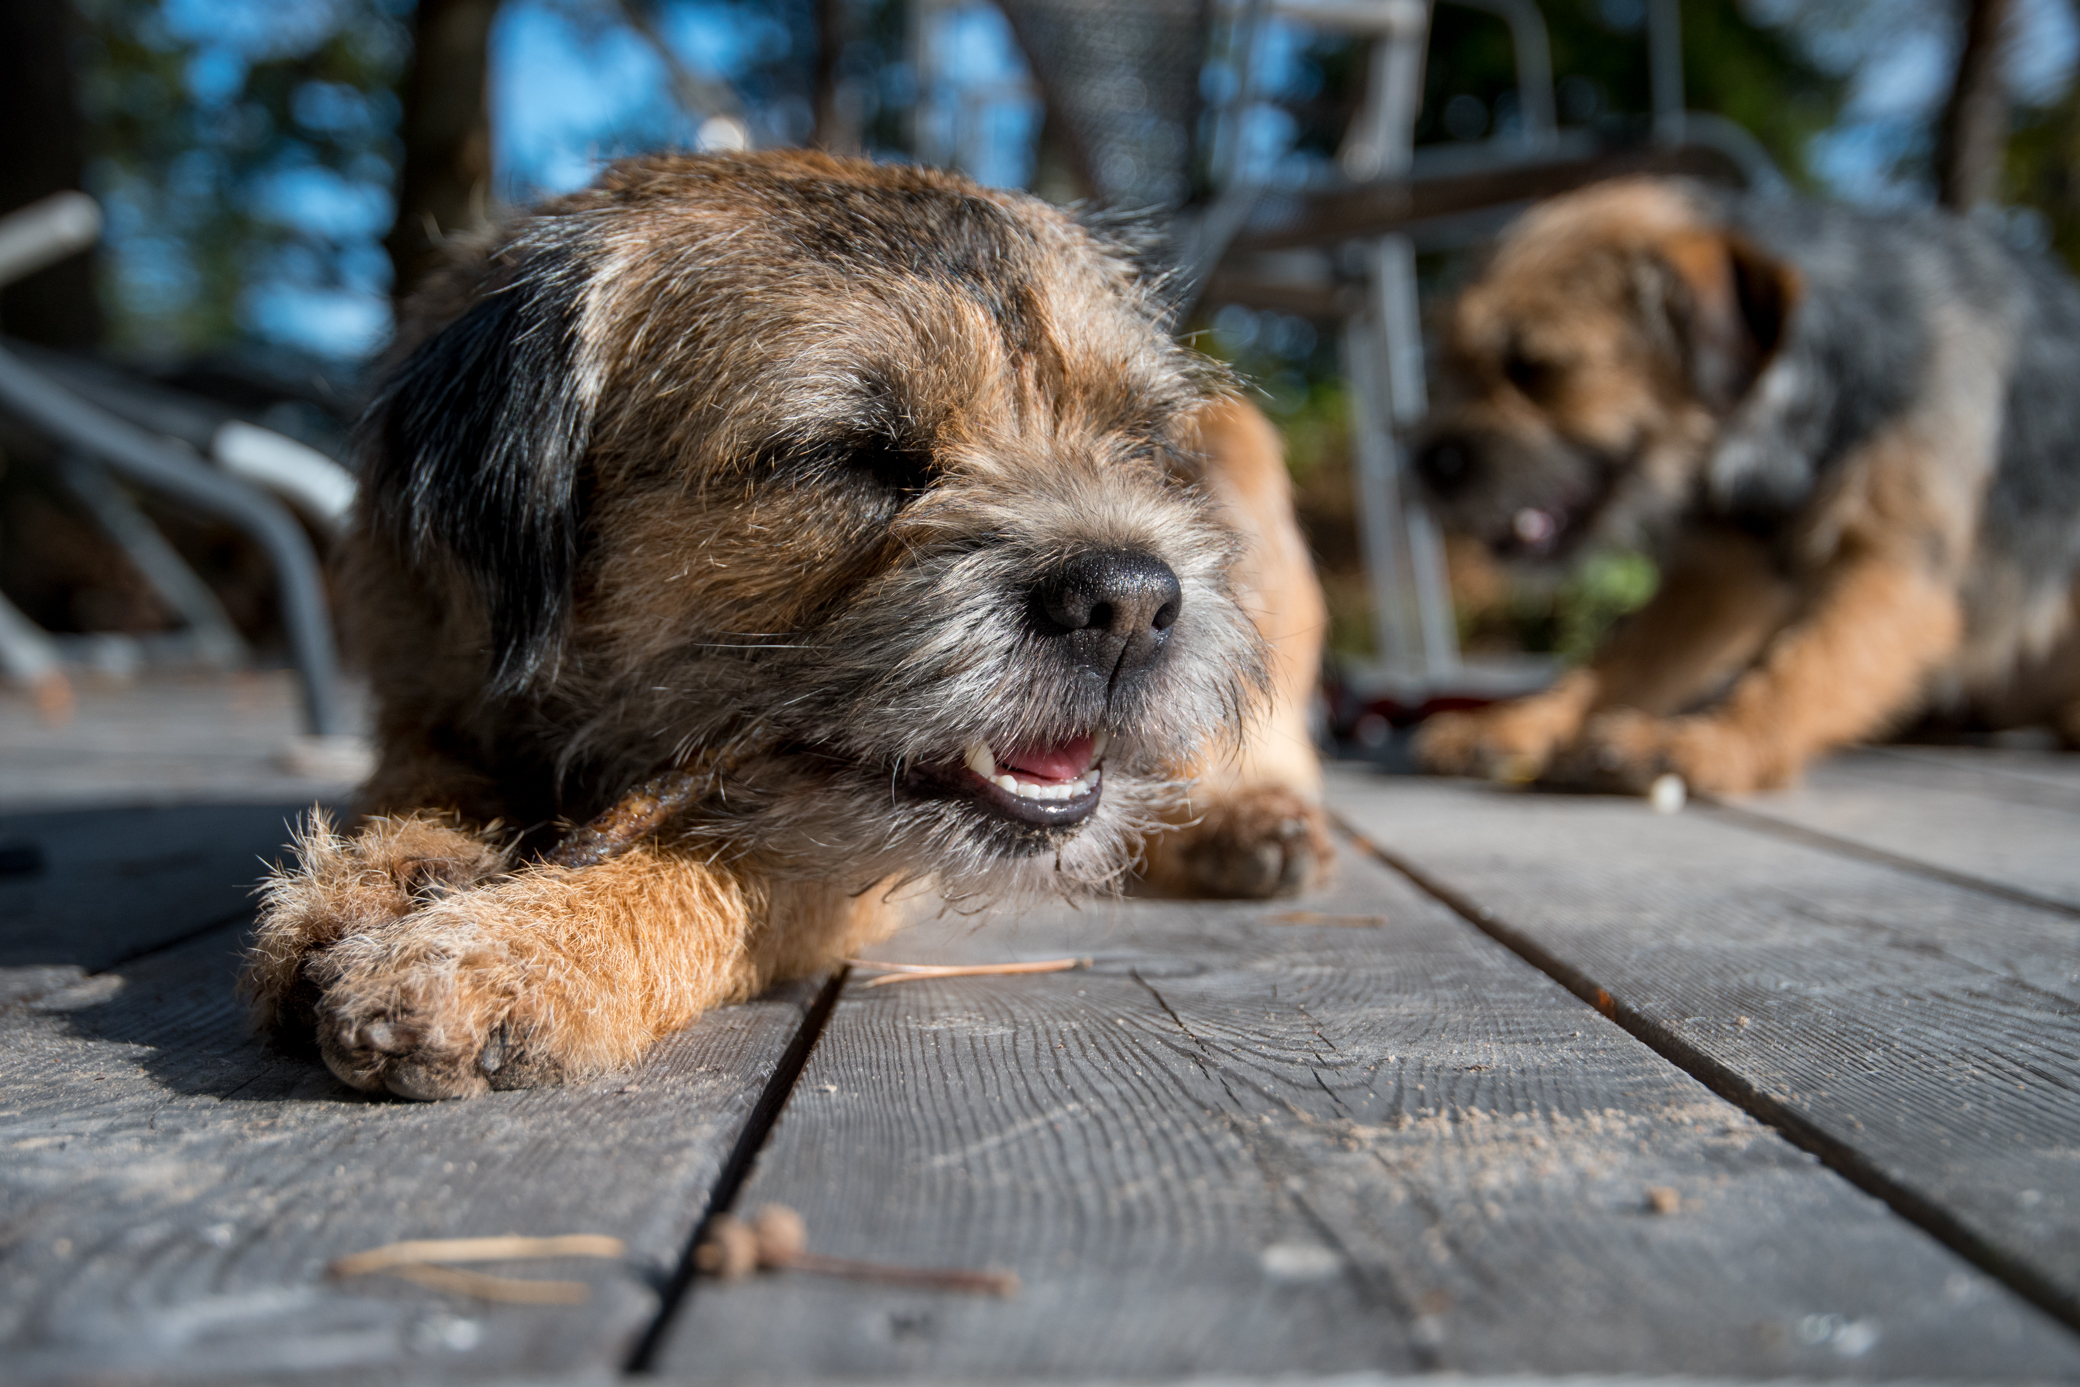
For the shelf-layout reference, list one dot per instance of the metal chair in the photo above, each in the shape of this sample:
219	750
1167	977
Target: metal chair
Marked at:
105	433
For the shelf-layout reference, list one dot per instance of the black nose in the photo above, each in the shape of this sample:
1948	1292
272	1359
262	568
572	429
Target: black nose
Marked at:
1445	465
1113	608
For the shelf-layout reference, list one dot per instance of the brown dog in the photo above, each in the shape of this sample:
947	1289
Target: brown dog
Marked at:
878	499
1854	441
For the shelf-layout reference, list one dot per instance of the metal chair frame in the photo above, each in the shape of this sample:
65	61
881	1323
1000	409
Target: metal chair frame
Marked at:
101	445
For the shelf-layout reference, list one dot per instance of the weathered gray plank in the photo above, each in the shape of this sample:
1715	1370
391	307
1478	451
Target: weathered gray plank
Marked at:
1238	1145
169	738
1928	1034
171	1193
88	887
2010	818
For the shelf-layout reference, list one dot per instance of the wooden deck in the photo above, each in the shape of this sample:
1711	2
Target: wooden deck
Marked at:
1541	1086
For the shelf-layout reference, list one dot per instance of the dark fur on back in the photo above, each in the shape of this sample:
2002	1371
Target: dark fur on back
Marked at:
1859	345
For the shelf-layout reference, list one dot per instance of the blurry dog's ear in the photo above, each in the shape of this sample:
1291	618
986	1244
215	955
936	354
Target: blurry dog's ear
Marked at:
1731	311
473	453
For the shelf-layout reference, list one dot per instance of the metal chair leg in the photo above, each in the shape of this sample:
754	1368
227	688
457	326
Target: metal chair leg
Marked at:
215	639
141	458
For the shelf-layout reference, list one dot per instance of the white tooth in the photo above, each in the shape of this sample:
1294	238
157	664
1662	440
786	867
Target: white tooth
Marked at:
981	761
1099	741
1005	782
1058	792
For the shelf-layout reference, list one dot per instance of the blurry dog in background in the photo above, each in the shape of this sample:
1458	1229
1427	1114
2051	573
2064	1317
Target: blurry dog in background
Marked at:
1854	442
881	500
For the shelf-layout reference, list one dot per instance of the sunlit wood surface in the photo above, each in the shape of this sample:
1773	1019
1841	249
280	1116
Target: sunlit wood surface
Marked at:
1540	1086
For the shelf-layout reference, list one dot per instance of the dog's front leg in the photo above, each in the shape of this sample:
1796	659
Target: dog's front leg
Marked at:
1254	824
1712	613
440	987
1855	662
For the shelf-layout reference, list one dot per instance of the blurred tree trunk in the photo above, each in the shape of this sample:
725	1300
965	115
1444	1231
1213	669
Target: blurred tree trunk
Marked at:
835	130
39	110
1973	136
445	184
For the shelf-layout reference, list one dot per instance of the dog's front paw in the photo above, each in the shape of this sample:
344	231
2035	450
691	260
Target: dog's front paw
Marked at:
1623	751
432	1007
1263	842
342	886
1510	742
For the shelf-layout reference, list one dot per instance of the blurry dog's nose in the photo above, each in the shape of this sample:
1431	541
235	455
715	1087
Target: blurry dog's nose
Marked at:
1444	464
1114	607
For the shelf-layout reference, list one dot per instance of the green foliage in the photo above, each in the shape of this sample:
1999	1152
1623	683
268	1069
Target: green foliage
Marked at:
1755	76
1603	587
2043	172
245	152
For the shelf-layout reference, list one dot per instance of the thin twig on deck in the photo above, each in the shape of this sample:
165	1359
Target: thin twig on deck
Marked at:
777	1240
418	1260
911	972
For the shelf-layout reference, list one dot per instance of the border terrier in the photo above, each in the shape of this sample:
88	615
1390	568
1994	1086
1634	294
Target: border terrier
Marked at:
882	502
1853	440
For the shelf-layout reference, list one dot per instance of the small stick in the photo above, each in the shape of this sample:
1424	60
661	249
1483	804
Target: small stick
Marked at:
633	817
911	972
1316	917
777	1240
476	1250
415	1261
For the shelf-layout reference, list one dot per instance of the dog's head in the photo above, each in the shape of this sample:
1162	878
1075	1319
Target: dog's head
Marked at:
1591	366
866	488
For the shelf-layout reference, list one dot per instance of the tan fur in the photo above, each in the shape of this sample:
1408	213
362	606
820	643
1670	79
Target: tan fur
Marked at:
1258	825
431	952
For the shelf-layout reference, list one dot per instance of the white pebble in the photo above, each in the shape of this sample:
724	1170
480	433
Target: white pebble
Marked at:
1668	794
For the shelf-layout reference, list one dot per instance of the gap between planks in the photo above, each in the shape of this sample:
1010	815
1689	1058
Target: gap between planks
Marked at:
729	1182
1861	1171
1760	821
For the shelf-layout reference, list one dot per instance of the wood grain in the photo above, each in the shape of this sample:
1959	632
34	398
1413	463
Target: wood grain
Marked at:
171	1192
1925	1034
1239	1145
107	884
2012	820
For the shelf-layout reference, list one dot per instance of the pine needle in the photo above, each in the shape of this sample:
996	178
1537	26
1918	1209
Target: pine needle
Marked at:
912	972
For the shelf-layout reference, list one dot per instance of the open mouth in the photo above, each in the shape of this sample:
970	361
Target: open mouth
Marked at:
1053	785
1564	517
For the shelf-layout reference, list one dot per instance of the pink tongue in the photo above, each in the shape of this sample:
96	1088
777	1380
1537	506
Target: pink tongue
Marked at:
1064	762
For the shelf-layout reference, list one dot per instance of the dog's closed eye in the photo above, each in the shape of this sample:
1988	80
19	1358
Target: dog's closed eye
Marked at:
902	468
1535	378
895	467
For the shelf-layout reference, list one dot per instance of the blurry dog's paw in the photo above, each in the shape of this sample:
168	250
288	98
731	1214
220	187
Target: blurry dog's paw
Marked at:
1623	751
1264	842
1511	742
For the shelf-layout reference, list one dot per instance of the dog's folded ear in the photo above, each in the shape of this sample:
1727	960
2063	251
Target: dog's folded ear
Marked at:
1730	310
473	450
